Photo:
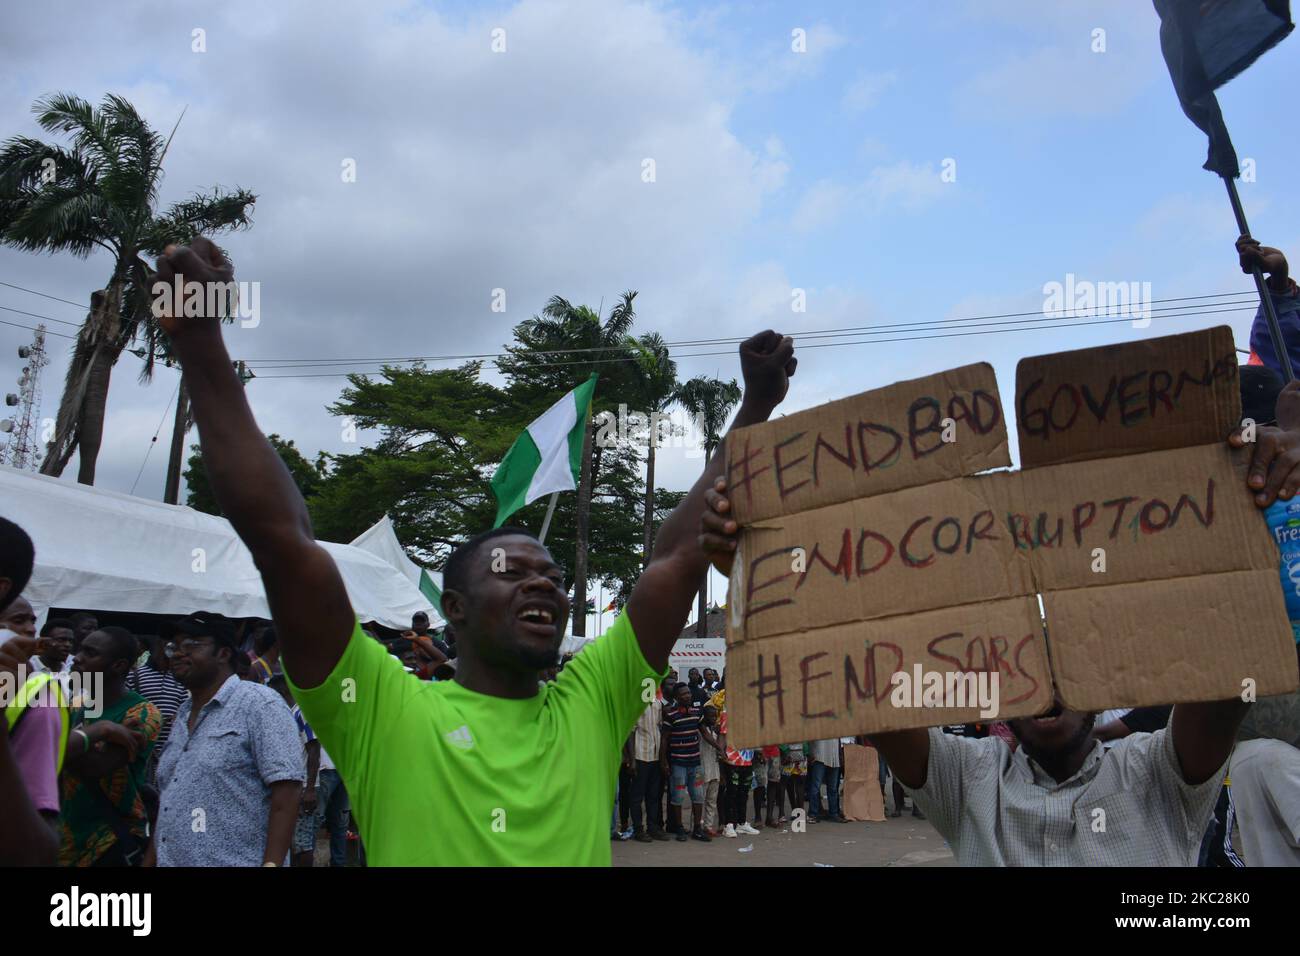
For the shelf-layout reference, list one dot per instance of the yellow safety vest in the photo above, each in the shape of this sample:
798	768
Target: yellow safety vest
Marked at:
29	691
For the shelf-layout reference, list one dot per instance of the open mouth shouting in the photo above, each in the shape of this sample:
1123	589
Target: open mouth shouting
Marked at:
537	619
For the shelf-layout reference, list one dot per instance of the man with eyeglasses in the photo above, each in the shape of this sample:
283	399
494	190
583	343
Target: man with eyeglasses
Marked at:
231	773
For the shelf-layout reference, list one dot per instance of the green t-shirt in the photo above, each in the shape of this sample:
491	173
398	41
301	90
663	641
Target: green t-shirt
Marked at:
439	775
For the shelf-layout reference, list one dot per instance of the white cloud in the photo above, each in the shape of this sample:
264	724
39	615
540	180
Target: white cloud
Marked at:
822	203
864	92
781	65
904	184
1063	76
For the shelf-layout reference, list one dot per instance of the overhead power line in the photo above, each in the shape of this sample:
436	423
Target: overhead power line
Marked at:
949	334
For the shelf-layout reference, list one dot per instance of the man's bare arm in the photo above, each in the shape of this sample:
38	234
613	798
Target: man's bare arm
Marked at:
281	819
908	754
661	600
1204	735
309	603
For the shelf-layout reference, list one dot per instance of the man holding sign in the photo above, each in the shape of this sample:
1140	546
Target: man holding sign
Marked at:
1061	799
488	768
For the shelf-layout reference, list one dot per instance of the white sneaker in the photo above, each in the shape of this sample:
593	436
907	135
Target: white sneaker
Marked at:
746	829
730	831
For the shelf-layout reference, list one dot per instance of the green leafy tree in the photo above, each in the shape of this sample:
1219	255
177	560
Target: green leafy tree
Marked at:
551	354
99	193
442	432
306	474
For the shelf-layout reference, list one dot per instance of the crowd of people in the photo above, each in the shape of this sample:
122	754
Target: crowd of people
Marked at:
197	717
677	761
224	743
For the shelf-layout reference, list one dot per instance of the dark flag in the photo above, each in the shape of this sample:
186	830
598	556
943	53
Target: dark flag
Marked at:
1208	42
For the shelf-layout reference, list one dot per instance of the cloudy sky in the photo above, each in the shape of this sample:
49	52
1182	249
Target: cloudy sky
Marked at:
900	169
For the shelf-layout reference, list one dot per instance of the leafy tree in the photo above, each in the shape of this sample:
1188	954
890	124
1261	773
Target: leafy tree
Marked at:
309	476
552	353
100	193
442	432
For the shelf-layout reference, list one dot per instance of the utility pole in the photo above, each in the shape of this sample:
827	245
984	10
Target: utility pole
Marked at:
584	523
180	427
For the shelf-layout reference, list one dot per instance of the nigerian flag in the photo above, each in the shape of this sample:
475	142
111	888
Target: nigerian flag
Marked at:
547	456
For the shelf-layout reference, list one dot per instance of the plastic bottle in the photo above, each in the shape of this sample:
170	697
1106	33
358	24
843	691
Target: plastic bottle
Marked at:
1283	519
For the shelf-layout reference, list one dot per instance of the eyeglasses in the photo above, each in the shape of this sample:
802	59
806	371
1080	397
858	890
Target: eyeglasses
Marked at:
187	646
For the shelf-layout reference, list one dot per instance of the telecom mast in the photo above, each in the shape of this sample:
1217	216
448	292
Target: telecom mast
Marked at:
23	448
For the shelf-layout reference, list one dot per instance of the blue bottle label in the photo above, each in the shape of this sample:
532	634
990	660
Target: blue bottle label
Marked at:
1283	519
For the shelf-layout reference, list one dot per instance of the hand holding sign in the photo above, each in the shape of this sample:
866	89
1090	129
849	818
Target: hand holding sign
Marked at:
1275	454
718	530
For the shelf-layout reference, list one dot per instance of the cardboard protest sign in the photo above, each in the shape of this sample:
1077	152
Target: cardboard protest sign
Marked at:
885	586
1166	392
878	441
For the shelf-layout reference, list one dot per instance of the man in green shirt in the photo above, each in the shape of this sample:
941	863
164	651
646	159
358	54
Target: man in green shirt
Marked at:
489	768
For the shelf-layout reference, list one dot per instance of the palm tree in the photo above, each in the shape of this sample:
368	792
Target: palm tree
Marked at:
556	350
100	194
709	401
657	378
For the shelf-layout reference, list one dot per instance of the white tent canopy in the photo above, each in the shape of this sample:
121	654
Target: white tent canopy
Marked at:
381	540
106	551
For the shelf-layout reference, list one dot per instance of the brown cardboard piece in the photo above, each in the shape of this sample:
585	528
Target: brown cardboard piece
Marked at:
882	440
1166	392
1156	571
862	797
836	681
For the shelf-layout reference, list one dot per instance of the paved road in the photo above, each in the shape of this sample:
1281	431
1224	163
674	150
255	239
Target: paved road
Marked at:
905	841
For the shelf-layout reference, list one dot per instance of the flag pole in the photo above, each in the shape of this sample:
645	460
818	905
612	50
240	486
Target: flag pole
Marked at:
1265	297
546	523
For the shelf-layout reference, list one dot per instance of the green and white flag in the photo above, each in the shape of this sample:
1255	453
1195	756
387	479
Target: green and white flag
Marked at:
547	456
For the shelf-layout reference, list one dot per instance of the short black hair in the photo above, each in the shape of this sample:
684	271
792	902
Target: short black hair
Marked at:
54	623
455	573
122	645
265	639
17	555
677	688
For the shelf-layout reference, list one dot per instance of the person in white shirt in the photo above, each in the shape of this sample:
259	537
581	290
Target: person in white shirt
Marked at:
54	649
647	780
